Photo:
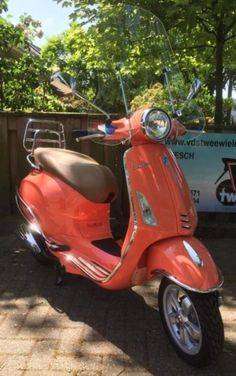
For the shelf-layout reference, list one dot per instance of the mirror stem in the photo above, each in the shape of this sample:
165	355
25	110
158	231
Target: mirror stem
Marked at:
123	92
165	72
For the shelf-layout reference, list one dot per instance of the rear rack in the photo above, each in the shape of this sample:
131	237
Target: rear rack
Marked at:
43	133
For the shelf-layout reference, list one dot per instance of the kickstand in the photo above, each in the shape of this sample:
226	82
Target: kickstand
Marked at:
60	274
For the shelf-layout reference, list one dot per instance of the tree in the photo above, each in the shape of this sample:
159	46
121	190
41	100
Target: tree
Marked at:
30	27
114	44
210	27
24	78
3	6
9	38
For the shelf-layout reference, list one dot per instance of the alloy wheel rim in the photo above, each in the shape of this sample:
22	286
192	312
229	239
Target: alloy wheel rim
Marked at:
182	319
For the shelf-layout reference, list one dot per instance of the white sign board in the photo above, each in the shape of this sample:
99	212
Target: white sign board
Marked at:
209	164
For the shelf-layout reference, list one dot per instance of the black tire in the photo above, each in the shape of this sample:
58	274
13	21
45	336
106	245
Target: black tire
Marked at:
193	323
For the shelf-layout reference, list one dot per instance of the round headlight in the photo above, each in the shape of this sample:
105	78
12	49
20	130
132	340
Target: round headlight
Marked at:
156	124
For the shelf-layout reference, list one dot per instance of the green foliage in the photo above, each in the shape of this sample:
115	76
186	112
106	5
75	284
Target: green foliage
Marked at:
24	78
93	53
30	27
202	33
155	96
3	6
93	45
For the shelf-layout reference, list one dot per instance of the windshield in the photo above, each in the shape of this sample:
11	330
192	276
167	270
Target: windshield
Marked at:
133	65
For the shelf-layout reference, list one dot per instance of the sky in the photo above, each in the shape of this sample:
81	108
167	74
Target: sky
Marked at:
54	18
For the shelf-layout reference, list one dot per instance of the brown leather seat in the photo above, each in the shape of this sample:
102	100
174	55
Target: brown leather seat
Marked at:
95	182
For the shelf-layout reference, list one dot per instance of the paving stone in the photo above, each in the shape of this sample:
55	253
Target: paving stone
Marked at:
15	346
11	326
81	330
70	340
42	372
77	363
2	360
38	333
8	372
36	316
122	365
2	317
43	353
16	362
101	348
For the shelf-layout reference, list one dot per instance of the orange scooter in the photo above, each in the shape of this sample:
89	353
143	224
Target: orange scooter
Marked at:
66	201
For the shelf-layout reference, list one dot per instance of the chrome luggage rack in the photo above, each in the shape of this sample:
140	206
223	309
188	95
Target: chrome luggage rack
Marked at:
42	133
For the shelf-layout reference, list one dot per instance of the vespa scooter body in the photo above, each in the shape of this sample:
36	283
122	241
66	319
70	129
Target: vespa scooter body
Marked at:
159	236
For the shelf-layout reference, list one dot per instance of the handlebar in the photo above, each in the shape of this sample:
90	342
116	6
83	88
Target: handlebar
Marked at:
84	134
178	129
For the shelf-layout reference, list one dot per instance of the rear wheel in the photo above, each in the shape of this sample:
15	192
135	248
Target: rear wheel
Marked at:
193	323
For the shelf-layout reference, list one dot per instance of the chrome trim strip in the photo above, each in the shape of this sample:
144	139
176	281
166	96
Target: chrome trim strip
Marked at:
185	220
187	226
36	225
19	198
80	263
131	197
135	228
187	287
90	269
135	222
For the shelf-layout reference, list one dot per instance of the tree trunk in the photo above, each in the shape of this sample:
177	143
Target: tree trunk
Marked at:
229	95
220	40
1	94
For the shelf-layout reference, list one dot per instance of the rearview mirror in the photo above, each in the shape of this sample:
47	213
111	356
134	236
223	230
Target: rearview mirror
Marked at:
60	84
194	90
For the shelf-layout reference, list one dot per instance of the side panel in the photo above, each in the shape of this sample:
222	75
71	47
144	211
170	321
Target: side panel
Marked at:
185	260
62	210
66	217
151	169
154	172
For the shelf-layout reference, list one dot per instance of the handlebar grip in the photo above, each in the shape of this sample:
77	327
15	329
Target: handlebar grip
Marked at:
90	137
77	133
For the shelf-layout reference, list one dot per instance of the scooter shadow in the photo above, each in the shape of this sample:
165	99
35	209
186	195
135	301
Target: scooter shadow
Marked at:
120	326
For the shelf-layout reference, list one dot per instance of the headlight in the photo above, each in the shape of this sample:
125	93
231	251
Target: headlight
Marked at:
156	124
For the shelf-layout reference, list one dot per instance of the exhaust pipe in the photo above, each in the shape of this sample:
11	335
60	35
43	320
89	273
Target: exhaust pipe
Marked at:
35	241
29	238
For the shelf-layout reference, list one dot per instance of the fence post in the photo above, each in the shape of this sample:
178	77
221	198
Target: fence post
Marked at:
4	168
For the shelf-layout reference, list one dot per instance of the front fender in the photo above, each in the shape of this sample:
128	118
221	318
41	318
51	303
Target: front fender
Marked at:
186	261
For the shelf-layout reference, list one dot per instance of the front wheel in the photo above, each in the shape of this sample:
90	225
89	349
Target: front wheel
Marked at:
193	323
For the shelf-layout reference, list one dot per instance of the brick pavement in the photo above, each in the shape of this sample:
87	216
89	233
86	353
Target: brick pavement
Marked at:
80	329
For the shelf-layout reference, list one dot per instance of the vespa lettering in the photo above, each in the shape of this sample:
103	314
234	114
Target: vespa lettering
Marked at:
136	166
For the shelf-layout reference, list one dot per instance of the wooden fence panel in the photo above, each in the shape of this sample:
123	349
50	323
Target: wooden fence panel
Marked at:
13	164
5	187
